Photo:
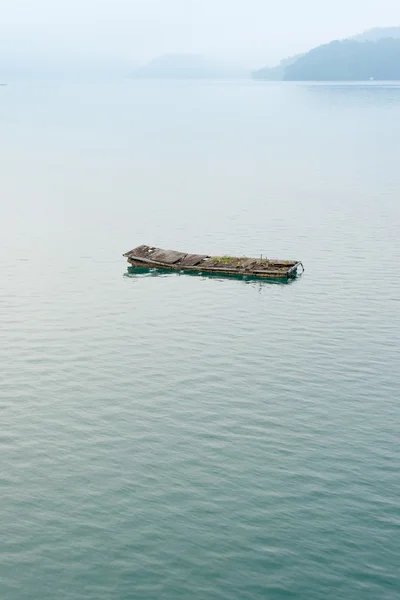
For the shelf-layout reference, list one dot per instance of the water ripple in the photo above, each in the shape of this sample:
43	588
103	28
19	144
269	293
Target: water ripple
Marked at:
167	436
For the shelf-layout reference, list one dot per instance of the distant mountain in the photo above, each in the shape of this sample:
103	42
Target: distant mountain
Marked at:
348	60
275	73
369	55
187	66
379	33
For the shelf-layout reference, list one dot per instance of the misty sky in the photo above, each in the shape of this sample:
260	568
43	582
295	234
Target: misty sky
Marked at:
253	32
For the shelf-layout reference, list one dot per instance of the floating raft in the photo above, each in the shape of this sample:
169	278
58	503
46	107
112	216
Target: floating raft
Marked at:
156	258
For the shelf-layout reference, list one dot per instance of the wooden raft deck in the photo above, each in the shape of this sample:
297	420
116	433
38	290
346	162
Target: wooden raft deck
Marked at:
156	258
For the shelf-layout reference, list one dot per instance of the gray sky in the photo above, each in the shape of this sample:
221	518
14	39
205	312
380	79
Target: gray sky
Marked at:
253	32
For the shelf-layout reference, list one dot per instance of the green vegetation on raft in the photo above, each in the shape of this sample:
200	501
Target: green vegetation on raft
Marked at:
224	259
235	261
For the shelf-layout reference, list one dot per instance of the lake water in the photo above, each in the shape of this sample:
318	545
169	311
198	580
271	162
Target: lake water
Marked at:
196	438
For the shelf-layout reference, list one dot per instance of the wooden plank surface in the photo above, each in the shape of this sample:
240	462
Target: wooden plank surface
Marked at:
169	257
158	256
142	251
191	260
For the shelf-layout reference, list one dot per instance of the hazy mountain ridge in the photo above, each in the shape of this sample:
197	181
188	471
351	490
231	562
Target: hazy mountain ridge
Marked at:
188	66
348	60
374	54
378	33
275	73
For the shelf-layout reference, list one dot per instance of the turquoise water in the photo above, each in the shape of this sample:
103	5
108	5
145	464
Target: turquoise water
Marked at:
168	436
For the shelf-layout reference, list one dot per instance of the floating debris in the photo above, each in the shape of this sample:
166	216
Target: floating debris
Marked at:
156	258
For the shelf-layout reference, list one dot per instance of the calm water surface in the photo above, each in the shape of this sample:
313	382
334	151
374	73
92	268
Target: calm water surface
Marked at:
180	437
